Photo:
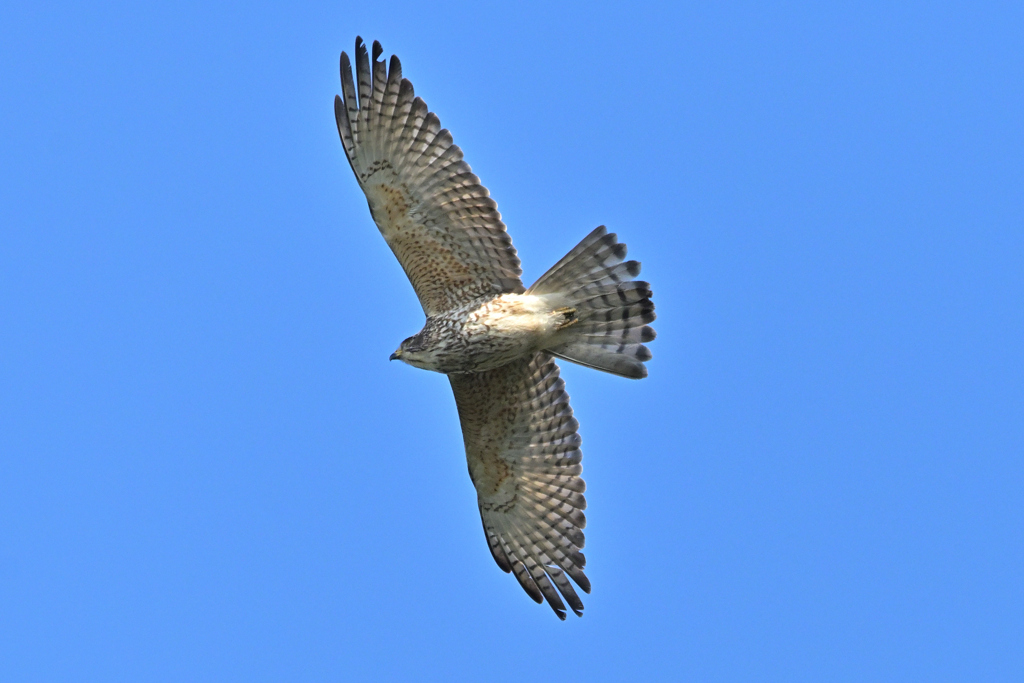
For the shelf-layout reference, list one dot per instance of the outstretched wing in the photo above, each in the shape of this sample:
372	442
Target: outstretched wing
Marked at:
433	212
524	459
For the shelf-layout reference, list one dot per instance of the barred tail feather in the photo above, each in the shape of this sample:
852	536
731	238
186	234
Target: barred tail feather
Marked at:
612	309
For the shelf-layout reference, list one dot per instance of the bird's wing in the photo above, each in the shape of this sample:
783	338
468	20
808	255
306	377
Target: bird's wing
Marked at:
524	459
433	212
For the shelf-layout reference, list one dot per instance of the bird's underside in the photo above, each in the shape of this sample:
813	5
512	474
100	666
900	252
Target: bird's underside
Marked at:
495	339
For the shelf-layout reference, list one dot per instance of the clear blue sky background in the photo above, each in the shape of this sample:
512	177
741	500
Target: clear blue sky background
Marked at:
209	471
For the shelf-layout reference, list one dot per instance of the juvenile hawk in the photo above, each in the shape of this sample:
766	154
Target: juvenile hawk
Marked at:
494	338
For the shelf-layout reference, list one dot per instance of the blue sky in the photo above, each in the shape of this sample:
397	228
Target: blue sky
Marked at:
210	471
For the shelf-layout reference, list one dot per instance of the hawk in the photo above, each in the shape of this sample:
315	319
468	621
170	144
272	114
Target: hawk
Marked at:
494	338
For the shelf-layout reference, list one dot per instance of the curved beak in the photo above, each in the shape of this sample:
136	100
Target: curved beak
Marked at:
396	355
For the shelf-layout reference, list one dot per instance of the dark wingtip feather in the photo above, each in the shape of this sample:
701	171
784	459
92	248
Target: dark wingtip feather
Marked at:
340	118
642	288
345	67
363	89
377	50
497	552
629	368
526	581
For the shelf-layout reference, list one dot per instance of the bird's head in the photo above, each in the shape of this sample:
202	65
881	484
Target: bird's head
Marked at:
412	351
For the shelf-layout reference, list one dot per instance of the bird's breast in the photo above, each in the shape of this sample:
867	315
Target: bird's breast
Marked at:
490	333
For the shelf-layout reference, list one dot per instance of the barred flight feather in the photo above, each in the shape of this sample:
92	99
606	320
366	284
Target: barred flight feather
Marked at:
527	475
432	211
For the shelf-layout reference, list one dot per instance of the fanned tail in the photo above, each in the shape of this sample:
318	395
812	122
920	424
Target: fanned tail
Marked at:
612	309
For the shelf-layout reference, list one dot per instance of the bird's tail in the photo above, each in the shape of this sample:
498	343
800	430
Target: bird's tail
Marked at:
611	309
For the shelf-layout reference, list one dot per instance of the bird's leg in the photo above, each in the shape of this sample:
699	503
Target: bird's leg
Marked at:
568	317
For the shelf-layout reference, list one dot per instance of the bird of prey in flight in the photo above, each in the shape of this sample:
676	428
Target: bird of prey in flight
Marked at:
494	338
